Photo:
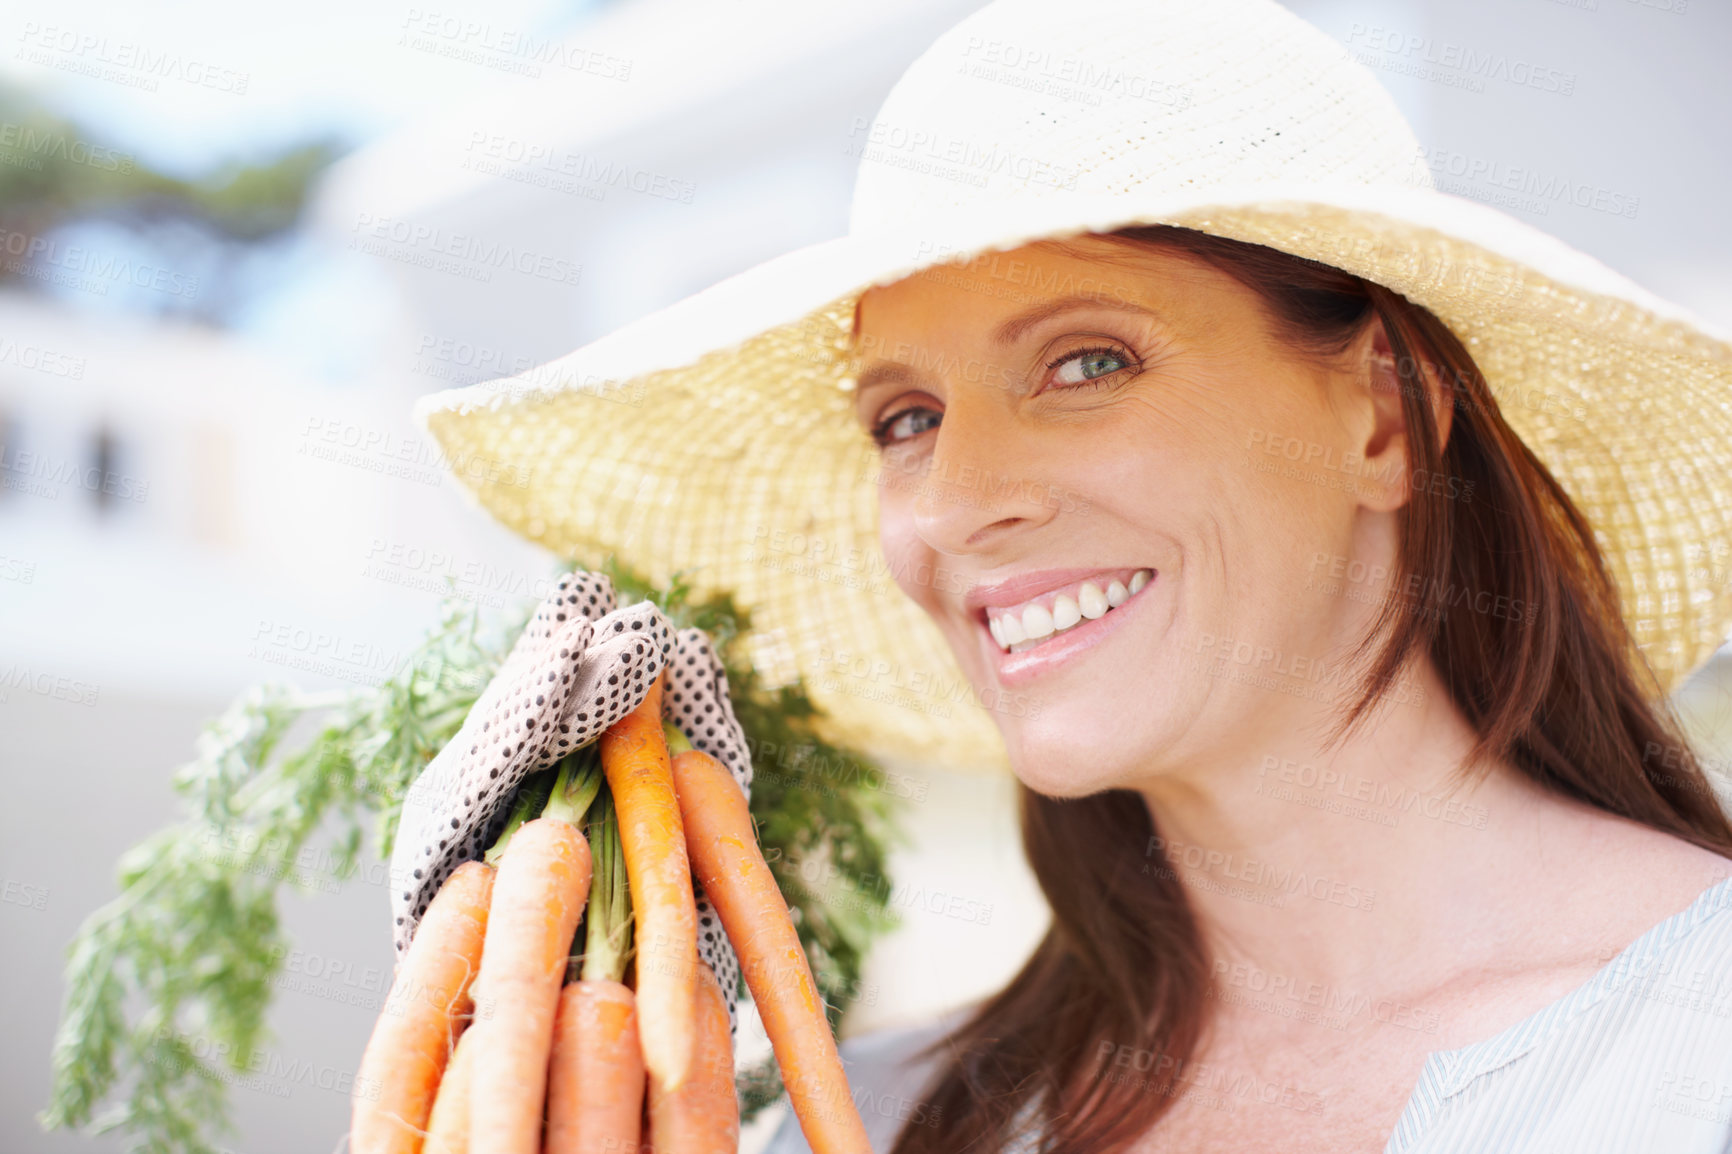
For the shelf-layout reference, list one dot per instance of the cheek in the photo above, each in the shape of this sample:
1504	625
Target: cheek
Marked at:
909	557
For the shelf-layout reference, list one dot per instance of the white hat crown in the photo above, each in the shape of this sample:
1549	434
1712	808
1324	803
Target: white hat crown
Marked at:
1036	104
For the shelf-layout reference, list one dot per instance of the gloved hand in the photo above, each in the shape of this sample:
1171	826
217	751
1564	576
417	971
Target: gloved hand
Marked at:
580	665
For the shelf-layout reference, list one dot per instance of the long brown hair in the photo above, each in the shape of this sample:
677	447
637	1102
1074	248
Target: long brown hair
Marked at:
1567	698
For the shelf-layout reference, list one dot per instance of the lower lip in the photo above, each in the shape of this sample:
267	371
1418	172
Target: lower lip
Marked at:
1016	668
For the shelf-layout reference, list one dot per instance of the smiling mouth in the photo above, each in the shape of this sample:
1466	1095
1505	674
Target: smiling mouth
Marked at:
1016	628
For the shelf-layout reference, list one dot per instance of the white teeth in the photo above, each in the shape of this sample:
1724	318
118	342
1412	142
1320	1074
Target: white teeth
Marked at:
1016	632
1036	622
1064	612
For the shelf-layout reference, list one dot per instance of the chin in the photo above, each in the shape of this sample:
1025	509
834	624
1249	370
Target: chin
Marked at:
1053	756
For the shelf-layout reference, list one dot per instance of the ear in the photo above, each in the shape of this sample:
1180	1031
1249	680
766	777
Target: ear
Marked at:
1387	453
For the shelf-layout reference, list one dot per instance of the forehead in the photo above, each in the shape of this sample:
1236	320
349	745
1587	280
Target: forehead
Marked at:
991	288
1015	276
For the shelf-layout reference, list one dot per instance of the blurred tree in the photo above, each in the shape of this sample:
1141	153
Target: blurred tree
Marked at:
52	173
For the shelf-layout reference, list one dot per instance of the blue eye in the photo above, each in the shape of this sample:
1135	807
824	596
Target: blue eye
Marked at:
909	422
1090	366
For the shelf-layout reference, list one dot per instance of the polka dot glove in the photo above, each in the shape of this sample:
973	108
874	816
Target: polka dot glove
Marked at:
580	665
696	700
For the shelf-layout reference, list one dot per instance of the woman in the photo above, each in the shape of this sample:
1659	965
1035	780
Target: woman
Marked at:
1294	526
1311	1008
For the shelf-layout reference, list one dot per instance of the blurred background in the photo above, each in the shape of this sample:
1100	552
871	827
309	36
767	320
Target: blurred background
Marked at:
236	244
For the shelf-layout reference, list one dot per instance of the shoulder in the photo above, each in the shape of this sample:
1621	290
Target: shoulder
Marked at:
1676	977
1639	1059
1661	1010
1691	950
1622	881
885	1079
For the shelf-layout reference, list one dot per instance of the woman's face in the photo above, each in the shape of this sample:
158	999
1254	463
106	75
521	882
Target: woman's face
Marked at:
1071	441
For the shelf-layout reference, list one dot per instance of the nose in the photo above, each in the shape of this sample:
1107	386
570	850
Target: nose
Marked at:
976	487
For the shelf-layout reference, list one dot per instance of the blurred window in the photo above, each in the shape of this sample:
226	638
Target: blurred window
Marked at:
102	479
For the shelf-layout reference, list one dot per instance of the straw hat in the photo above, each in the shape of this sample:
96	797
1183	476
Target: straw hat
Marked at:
718	436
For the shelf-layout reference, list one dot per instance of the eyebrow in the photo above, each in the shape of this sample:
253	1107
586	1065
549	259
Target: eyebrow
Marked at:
1004	334
1016	326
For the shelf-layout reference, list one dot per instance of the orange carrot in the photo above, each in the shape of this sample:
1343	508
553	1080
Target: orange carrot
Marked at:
537	901
724	850
634	755
448	1126
595	1083
427	1008
703	1115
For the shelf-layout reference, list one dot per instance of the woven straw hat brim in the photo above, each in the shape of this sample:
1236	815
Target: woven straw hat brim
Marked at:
717	436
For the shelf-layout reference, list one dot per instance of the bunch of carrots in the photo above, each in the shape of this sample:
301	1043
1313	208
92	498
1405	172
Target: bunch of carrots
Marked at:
485	1048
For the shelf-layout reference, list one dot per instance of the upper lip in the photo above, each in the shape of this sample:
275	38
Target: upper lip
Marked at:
1026	586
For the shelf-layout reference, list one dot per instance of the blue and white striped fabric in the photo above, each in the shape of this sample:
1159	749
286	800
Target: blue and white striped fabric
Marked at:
1636	1061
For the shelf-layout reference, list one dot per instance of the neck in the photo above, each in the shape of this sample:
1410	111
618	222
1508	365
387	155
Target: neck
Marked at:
1368	867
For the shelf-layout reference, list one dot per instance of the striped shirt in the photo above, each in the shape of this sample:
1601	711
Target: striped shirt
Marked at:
1636	1061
